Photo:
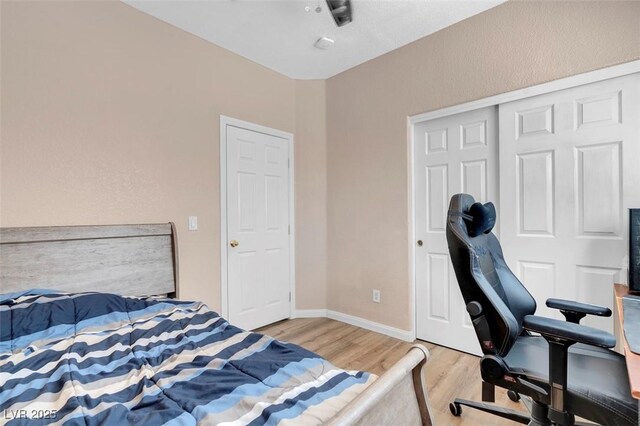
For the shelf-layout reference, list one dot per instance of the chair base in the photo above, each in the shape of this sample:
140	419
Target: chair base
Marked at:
506	413
536	416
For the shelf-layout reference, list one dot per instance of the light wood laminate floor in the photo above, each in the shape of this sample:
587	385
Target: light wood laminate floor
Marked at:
450	373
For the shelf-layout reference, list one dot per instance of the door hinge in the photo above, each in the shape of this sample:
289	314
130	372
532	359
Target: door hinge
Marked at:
289	229
288	163
289	296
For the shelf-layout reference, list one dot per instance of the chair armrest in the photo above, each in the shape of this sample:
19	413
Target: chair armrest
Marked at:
560	335
568	331
582	308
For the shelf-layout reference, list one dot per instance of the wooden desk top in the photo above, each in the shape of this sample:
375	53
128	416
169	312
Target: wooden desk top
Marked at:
633	360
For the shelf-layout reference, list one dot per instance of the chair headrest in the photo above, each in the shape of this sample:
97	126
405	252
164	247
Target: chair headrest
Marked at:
480	218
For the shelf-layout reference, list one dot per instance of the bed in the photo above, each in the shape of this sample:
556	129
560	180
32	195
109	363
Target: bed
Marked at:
134	354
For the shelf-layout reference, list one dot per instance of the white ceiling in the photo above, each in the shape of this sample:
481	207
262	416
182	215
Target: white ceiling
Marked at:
280	34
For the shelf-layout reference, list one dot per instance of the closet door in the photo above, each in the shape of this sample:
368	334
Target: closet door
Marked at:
569	170
452	154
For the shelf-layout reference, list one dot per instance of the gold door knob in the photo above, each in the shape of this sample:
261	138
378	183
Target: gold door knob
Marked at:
234	243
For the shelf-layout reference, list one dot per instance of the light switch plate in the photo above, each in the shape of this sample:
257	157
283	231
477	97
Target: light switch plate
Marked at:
193	223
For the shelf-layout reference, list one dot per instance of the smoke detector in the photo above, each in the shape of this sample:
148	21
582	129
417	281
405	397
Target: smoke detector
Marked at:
324	43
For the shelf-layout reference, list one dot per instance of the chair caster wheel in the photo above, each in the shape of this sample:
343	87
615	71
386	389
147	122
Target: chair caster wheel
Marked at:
455	409
514	396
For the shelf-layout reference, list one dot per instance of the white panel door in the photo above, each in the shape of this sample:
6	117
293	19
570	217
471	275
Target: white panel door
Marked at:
569	170
452	155
258	221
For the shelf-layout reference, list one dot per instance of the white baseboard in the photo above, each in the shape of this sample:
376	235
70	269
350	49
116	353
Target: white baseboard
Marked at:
309	313
405	335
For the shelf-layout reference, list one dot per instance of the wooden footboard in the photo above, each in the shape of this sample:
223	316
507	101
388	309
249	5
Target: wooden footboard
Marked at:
398	397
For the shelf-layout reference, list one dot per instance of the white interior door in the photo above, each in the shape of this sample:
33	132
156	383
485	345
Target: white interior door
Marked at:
452	154
570	168
258	276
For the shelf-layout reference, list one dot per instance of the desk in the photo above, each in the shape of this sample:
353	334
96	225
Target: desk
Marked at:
633	360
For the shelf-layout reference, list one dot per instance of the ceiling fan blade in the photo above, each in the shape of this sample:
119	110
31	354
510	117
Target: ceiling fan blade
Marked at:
341	11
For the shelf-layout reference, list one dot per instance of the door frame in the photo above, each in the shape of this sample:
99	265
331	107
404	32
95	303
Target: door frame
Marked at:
224	283
620	70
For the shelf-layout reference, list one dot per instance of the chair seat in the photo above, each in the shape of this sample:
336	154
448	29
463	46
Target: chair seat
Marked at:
591	396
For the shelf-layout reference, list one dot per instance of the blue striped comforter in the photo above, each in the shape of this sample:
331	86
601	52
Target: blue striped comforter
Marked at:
94	358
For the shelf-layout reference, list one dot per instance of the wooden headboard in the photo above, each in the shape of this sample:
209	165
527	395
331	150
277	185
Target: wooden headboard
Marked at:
132	260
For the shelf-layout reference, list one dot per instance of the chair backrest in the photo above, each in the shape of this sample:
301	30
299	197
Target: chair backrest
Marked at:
484	277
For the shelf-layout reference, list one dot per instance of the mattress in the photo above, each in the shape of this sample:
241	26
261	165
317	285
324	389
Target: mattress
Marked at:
93	358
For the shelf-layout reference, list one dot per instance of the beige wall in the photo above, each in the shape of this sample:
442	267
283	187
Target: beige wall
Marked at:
515	45
111	116
311	195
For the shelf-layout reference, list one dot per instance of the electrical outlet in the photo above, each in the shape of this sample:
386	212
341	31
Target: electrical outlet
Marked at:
376	296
